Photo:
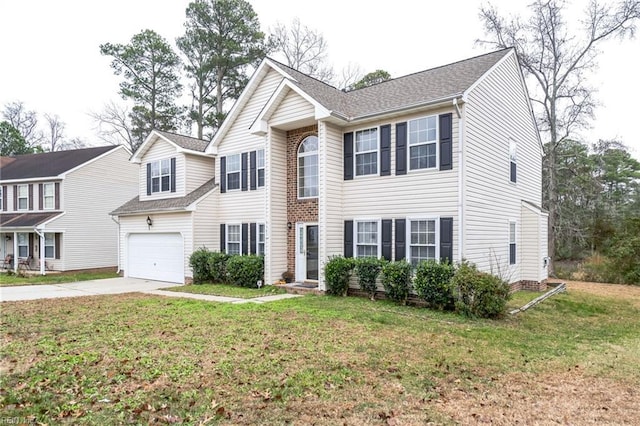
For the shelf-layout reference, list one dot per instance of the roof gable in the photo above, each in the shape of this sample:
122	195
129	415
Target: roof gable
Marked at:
50	164
181	143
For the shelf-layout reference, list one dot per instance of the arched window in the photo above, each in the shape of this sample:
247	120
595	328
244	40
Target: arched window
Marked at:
308	168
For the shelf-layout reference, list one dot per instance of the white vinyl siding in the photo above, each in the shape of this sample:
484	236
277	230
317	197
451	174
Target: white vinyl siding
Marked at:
89	237
366	152
276	206
48	196
292	109
532	243
198	171
496	112
423	143
205	234
159	150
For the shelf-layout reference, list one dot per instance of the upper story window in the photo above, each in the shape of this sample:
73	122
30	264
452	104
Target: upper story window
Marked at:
512	161
23	197
161	176
423	136
367	238
422	240
260	167
48	196
308	168
366	152
512	243
233	172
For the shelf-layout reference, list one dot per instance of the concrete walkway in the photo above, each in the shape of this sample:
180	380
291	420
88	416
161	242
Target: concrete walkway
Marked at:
116	286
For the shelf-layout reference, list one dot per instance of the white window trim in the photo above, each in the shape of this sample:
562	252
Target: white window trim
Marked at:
26	198
355	153
307	154
355	234
514	160
258	242
52	196
160	176
263	168
515	242
239	172
408	235
437	142
226	239
53	245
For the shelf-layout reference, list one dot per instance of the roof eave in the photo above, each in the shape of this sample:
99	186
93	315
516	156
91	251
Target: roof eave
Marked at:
433	103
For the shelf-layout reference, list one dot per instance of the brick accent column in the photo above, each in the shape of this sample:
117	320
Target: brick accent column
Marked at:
305	210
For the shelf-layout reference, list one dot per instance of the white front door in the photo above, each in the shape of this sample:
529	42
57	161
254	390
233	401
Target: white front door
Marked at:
307	252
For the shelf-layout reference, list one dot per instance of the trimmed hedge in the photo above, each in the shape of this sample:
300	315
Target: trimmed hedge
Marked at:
396	279
199	265
337	272
368	269
479	294
433	284
217	266
245	271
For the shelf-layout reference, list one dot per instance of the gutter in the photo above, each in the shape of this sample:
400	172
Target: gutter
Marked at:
433	102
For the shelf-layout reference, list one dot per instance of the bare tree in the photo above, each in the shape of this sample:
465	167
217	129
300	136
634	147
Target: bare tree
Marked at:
303	49
25	121
558	63
114	125
74	143
55	132
349	76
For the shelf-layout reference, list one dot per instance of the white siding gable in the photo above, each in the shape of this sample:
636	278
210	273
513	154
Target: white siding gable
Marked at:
160	150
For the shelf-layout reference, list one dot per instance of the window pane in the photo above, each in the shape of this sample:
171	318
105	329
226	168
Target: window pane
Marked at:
155	169
308	168
260	177
367	140
165	183
155	184
233	163
366	164
367	251
310	144
422	156
260	156
233	180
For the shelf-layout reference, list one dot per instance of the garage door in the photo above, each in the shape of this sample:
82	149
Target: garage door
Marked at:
156	257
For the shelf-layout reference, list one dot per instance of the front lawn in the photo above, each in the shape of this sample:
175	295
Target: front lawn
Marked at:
227	290
317	360
53	278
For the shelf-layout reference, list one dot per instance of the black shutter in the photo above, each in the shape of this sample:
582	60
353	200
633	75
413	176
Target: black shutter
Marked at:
386	238
30	196
348	238
15	198
40	196
31	245
446	239
173	174
244	159
348	155
223	238
253	172
513	172
252	238
385	150
4	198
223	174
401	148
148	178
401	235
245	238
446	142
57	247
57	195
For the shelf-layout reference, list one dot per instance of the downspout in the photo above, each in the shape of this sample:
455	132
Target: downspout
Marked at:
461	182
118	243
41	235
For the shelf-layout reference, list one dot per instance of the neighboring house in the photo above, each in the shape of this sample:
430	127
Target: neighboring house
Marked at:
440	164
173	212
55	207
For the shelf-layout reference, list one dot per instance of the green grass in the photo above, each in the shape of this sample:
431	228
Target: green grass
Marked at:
228	290
53	278
327	360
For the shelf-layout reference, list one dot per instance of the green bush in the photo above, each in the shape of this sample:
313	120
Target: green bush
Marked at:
623	262
479	294
217	266
245	271
199	265
396	279
368	269
433	284
337	272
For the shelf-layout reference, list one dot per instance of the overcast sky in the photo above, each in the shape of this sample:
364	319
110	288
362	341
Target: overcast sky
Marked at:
51	59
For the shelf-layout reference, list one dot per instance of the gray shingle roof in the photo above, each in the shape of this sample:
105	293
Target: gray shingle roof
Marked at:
185	142
166	204
16	220
48	164
413	89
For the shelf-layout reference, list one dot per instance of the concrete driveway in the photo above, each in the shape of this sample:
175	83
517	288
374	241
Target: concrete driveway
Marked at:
82	288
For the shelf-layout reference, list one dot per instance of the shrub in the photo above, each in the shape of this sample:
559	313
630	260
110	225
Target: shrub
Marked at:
245	271
368	269
479	294
433	283
199	265
396	279
217	266
337	272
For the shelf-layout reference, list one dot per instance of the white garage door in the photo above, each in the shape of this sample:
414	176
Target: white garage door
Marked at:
156	257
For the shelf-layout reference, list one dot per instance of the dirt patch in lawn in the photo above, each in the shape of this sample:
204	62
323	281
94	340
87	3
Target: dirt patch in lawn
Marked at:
560	398
628	292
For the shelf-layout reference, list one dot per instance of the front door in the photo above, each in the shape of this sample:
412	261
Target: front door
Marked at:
306	252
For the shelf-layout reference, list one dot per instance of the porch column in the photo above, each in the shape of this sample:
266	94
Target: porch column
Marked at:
42	269
15	252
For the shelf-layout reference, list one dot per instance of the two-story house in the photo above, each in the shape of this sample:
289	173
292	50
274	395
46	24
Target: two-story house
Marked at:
55	207
440	164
